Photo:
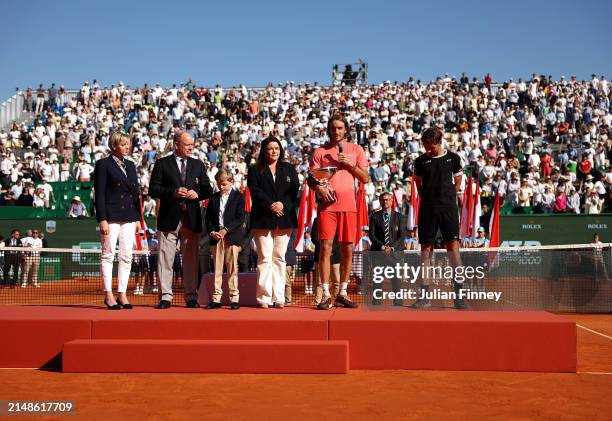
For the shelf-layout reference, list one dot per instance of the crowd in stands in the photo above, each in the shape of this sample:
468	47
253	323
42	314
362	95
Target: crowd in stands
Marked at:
543	145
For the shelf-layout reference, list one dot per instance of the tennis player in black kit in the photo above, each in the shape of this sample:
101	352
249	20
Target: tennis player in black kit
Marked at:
438	175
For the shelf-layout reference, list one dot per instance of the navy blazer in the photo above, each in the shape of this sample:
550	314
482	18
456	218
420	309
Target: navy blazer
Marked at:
165	179
265	191
233	217
117	195
397	231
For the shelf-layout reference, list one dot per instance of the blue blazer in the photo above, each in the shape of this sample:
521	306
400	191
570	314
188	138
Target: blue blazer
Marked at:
233	217
265	190
165	179
117	196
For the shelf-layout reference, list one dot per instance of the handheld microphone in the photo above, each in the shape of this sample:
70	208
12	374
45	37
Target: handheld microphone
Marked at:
340	147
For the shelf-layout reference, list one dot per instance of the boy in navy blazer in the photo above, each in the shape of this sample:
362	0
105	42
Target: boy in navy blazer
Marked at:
225	224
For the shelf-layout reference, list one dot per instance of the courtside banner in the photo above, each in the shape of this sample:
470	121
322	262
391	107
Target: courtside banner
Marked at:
555	278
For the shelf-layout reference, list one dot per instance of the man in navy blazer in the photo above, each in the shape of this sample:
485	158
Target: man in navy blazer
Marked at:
387	233
397	227
180	182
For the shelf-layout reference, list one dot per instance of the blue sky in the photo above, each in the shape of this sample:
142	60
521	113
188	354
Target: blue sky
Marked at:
255	42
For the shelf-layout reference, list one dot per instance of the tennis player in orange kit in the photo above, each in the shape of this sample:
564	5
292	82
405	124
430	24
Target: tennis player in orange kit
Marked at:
337	204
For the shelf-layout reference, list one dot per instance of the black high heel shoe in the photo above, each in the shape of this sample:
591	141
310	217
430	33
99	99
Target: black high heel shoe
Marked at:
127	306
116	306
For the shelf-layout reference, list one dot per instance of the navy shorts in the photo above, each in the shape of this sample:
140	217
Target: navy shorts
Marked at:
432	220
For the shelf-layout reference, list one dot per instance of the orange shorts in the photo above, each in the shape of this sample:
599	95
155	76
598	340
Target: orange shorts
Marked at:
343	223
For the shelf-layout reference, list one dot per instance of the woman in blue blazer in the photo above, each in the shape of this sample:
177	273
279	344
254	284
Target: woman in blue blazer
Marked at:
118	212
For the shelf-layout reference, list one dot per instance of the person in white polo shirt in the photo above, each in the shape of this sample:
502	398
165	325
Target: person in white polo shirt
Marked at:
31	260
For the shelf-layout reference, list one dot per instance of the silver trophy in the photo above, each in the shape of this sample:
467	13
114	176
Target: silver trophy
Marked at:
321	177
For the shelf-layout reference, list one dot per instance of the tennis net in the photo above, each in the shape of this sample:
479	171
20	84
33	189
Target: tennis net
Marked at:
573	278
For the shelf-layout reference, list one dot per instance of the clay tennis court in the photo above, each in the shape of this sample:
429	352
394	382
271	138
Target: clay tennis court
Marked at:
357	395
380	394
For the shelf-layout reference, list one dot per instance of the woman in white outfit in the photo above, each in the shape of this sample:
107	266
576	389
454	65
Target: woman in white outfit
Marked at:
274	186
118	214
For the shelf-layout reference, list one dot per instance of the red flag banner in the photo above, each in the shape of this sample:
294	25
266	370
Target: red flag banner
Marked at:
247	200
394	205
302	215
311	213
494	240
467	205
413	216
476	212
362	212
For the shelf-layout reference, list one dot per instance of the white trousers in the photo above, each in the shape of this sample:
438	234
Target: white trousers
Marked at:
30	265
271	266
125	233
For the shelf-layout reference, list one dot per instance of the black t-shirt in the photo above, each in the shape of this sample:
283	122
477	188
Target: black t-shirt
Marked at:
438	179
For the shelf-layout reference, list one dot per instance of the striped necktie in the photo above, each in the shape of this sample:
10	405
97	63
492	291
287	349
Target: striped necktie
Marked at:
183	171
183	181
387	233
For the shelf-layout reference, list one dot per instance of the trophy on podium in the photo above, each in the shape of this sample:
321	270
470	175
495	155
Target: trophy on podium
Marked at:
321	177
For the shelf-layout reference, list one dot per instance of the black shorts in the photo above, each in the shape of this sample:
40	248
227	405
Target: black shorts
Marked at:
140	264
307	264
153	262
446	220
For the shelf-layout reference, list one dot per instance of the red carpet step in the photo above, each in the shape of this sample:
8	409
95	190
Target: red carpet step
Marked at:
205	356
378	340
467	340
37	343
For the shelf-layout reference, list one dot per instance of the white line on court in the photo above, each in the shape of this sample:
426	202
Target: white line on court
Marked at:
18	368
594	331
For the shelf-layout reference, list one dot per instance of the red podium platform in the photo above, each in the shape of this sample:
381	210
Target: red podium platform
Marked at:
296	340
205	356
247	285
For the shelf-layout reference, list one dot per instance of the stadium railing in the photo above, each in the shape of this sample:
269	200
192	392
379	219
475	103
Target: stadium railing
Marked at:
11	110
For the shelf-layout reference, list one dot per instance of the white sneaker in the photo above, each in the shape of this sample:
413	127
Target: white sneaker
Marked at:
23	285
326	303
36	285
154	289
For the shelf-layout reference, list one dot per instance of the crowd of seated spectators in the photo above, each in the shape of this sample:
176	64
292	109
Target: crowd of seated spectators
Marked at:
543	145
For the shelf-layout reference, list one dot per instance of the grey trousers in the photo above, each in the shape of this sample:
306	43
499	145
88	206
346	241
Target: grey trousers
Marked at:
189	241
